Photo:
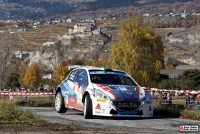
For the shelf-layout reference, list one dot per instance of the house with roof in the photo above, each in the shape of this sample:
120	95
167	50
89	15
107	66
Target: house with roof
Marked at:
22	53
173	61
180	67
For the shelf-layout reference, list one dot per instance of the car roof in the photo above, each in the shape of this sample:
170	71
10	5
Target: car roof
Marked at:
91	68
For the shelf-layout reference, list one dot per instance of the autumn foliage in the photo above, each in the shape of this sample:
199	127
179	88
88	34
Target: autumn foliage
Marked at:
32	76
138	51
60	72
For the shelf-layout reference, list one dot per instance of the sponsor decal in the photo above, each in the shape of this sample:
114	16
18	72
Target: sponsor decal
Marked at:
106	88
123	88
65	84
98	106
150	109
72	99
189	128
66	97
127	105
66	94
98	112
148	102
126	94
76	86
132	88
113	87
101	100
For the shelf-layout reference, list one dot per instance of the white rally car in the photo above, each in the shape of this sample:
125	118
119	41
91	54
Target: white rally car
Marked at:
102	92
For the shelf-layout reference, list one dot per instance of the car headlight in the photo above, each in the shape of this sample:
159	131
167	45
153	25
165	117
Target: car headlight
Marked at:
100	94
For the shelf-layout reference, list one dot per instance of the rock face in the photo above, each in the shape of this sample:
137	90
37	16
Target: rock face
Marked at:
85	47
184	45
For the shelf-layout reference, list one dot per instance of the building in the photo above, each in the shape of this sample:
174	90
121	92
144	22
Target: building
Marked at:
180	67
173	73
173	61
170	73
69	20
84	27
21	53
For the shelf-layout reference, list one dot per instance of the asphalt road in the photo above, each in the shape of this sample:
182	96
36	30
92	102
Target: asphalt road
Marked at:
157	124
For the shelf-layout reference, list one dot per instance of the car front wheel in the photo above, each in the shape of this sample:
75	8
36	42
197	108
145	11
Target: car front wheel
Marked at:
88	107
59	103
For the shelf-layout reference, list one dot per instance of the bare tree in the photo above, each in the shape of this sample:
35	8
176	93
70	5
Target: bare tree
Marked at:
5	44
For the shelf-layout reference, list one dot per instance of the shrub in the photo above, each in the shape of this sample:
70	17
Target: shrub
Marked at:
169	110
9	112
177	111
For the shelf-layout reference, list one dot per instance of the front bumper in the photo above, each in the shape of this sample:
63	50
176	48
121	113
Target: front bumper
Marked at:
102	107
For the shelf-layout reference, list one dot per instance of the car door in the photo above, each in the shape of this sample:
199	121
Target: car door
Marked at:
80	84
67	85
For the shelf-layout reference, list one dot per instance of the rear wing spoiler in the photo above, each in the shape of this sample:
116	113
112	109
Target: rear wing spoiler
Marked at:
78	66
74	66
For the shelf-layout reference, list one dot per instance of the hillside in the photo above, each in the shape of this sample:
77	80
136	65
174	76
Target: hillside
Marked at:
183	44
21	9
180	43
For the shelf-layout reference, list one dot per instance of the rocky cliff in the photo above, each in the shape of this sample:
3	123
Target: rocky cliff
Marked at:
184	45
80	46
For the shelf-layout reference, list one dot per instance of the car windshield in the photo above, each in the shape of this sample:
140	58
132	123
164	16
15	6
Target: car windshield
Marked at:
111	78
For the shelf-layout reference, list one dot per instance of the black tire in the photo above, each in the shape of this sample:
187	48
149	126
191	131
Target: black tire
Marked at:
59	103
88	107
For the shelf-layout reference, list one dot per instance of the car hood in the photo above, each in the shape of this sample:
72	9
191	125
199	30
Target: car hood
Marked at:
122	92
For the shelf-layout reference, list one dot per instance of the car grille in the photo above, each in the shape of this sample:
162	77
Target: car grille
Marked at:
126	105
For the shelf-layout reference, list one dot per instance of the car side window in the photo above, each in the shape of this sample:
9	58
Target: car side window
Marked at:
81	77
72	75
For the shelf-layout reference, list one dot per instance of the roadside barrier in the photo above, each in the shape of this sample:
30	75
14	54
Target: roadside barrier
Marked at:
176	91
35	94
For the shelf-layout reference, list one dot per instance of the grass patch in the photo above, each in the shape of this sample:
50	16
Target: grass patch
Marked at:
172	111
9	112
177	109
16	120
35	101
190	114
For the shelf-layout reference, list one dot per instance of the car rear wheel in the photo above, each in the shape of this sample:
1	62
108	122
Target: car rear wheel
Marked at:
88	107
59	103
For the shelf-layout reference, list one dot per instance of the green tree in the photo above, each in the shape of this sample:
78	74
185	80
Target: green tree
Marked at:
32	76
12	80
190	79
170	84
139	51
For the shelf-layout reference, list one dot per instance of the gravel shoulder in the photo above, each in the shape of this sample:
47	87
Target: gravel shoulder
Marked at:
7	127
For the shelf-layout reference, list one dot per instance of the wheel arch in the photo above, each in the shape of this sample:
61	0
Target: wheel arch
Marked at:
58	90
83	98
